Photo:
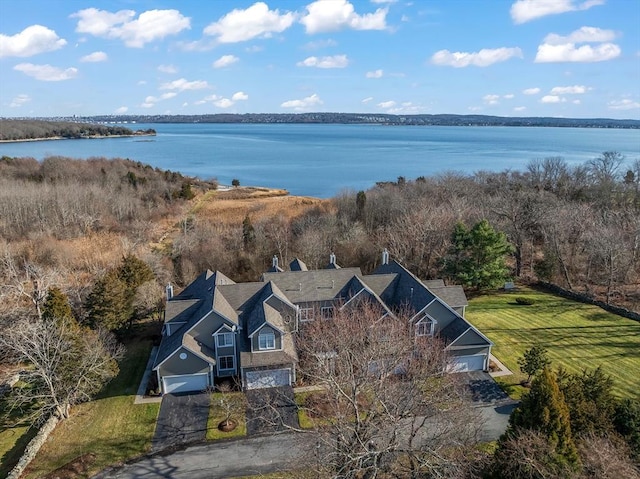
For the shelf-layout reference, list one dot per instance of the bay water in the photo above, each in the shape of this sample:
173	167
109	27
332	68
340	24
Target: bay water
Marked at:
322	159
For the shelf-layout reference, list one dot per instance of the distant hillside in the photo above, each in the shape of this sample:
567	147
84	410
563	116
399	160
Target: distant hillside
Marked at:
373	118
20	130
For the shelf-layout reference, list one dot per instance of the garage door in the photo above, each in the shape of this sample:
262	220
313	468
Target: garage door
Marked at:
186	383
267	379
459	364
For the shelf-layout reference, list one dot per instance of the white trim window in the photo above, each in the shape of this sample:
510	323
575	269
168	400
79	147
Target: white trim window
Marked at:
326	312
306	314
425	327
266	340
225	363
224	340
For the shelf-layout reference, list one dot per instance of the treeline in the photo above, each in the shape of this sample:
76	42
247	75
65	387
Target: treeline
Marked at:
67	198
375	118
16	130
576	226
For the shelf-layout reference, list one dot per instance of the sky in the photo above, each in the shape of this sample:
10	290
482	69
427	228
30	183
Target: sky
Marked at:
560	58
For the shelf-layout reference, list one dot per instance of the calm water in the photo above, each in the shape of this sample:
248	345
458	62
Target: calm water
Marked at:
321	160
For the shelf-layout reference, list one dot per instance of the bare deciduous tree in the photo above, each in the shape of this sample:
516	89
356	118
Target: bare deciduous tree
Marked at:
386	408
63	364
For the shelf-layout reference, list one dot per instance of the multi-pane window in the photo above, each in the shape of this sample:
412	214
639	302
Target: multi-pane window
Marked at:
224	339
225	362
267	340
425	327
306	314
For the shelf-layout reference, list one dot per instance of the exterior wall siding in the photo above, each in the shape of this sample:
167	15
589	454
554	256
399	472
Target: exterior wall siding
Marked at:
176	366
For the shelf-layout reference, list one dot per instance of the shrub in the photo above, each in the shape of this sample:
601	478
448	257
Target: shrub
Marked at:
525	301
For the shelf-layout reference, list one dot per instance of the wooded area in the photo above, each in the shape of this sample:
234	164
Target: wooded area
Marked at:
20	130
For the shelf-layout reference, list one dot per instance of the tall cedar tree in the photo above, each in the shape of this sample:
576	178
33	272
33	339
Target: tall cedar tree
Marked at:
56	306
248	233
110	303
477	256
544	409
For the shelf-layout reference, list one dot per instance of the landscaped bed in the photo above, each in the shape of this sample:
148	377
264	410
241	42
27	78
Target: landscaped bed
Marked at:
576	336
234	403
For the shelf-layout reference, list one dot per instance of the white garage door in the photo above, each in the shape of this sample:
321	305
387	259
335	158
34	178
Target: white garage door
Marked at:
186	383
268	379
459	364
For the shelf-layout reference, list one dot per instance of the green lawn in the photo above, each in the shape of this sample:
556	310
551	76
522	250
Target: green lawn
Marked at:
576	336
106	431
217	413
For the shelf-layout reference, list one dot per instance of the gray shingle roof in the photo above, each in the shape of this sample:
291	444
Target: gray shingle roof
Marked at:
315	285
452	295
298	265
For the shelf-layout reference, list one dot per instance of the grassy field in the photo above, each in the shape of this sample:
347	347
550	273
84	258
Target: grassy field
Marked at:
576	336
105	431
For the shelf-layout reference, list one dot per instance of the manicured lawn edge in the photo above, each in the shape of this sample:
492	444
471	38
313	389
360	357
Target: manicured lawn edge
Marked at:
217	414
576	336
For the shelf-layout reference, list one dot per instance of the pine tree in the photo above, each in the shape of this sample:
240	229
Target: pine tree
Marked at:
56	306
477	256
107	302
533	360
544	409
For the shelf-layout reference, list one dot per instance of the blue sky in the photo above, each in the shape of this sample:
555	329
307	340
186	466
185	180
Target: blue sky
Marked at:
565	58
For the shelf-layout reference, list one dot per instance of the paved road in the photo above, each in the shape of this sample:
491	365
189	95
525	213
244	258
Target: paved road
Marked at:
182	419
271	453
255	455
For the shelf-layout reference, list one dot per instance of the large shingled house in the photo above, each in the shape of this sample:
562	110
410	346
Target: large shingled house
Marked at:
216	328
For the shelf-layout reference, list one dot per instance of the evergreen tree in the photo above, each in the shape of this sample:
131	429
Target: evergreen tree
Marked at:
544	409
248	233
56	306
134	272
107	303
477	256
589	399
534	359
361	201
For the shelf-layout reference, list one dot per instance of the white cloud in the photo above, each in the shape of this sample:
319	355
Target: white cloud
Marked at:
254	49
169	94
225	61
387	104
182	84
384	1
167	69
509	96
569	90
19	100
491	99
150	26
568	52
257	21
142	82
404	18
330	16
46	72
367	100
483	58
95	57
519	108
625	104
30	41
121	110
582	35
552	99
375	74
240	95
531	91
406	108
335	61
576	102
223	103
147	105
526	10
303	104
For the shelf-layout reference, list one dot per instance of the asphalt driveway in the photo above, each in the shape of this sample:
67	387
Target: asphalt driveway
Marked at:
494	404
271	410
182	419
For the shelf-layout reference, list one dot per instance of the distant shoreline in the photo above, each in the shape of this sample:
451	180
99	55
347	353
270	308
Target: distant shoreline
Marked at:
93	137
